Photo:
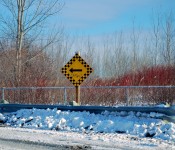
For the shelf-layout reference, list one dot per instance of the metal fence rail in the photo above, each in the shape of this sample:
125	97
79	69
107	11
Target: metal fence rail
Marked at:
167	113
90	95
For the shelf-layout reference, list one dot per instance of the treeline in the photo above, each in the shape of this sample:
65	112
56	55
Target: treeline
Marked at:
32	52
151	76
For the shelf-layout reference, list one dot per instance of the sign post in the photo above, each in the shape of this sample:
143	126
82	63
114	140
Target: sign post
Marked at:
78	94
77	70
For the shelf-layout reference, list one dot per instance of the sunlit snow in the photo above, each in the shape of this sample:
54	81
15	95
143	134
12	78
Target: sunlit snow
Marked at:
139	124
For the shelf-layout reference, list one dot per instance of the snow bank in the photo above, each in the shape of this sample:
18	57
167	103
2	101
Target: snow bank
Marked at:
140	124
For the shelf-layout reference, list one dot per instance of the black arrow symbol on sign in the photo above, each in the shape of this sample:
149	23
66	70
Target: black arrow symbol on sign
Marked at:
75	70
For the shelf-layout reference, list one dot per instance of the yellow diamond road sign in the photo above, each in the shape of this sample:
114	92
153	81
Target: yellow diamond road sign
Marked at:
76	70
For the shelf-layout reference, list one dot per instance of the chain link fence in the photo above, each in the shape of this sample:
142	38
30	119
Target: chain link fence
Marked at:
91	95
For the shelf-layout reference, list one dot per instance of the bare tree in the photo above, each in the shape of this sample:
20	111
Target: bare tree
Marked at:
26	19
134	37
147	59
168	39
89	52
156	38
107	66
120	57
115	55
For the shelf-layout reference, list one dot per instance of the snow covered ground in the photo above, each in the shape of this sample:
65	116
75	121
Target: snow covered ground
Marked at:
141	130
76	140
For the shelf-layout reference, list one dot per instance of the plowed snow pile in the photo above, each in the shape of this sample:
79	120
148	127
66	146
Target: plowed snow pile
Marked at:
140	124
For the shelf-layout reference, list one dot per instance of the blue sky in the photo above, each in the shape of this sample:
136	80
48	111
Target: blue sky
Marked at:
98	17
95	18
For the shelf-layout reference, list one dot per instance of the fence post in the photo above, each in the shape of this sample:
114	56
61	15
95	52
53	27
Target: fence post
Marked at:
65	96
33	95
127	96
2	95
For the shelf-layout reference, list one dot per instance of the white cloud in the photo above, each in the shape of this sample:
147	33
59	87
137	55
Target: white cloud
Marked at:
90	10
84	14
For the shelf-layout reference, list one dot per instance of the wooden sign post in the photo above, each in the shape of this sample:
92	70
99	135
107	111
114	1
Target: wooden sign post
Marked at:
78	94
77	70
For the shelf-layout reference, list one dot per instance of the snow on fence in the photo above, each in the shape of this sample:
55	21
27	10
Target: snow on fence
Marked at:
90	95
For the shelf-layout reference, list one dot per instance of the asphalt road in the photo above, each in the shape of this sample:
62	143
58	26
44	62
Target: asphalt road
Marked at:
30	139
26	145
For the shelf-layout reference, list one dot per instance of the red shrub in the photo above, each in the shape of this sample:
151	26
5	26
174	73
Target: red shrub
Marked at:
159	75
